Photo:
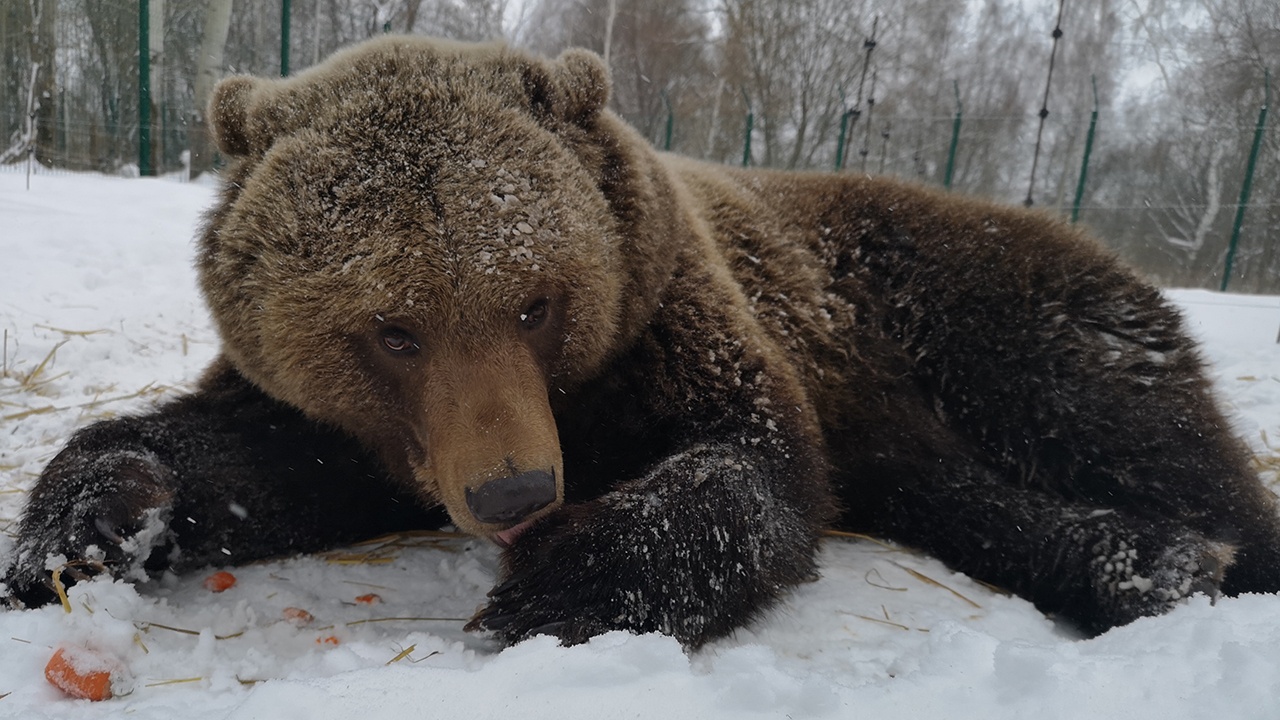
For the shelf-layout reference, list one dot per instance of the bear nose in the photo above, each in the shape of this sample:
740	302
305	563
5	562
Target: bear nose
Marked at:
511	499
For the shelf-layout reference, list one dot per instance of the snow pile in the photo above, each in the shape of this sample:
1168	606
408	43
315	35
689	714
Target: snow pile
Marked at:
102	317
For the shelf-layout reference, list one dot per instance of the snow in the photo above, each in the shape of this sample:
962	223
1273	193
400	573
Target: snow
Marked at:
99	269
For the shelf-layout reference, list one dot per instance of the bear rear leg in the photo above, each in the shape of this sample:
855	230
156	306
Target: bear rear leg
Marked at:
1096	567
1083	383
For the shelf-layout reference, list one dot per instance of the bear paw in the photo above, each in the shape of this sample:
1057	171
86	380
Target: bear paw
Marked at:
90	513
571	577
535	598
1132	579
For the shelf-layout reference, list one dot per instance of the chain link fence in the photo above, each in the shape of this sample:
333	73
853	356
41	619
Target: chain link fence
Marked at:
1167	208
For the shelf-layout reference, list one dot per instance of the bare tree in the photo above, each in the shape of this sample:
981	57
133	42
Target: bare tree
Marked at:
657	49
217	22
33	81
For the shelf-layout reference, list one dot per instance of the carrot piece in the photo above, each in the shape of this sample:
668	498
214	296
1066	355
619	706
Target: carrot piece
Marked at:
219	581
298	616
328	640
370	599
80	674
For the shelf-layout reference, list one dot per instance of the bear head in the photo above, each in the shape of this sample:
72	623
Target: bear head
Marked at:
421	242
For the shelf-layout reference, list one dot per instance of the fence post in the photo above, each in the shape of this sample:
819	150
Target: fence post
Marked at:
955	138
844	129
751	121
671	120
1088	148
144	89
844	126
284	38
1248	178
865	150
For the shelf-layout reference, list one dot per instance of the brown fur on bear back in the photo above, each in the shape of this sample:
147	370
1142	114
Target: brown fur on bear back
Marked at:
809	250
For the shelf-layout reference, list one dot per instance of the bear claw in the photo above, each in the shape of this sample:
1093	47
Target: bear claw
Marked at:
107	531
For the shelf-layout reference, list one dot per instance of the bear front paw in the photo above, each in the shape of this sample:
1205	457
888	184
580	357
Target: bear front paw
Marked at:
572	579
1133	579
90	513
537	596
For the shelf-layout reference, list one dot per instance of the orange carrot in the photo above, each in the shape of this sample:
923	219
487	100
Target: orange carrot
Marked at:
298	616
328	640
219	581
370	599
80	673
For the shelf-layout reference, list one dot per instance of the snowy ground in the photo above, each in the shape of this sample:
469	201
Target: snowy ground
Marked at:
98	301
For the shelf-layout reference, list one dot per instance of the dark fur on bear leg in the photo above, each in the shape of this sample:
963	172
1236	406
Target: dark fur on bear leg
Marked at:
1097	568
1074	388
225	475
1094	566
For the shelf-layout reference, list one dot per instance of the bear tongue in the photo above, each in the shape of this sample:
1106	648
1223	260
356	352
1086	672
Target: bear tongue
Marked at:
507	538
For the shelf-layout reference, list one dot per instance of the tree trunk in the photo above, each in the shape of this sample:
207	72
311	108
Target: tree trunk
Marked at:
411	15
155	42
217	21
43	52
608	30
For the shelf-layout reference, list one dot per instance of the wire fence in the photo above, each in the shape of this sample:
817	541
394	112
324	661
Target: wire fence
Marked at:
1169	211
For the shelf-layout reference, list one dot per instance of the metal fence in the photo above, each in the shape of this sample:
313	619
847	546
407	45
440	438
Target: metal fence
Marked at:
1164	217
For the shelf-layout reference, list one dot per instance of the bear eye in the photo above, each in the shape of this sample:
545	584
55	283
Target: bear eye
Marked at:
535	314
399	341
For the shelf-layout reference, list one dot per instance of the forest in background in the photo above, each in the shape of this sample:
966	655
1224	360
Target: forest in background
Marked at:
875	84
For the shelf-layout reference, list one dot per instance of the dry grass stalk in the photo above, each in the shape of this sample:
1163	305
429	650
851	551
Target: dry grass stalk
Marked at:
389	547
884	585
930	581
403	619
996	589
402	654
148	389
146	627
367	559
29	412
365	584
38	386
890	623
74	333
26	382
405	535
61	589
174	682
862	536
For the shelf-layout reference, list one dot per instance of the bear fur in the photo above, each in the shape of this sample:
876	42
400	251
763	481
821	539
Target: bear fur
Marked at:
452	286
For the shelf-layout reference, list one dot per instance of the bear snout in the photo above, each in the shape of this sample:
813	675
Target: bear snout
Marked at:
511	499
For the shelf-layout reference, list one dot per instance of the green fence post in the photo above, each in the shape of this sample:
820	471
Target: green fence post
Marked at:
751	121
844	128
284	38
955	139
1088	148
144	89
1248	178
671	121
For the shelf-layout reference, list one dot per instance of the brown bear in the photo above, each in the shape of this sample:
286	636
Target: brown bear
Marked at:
452	286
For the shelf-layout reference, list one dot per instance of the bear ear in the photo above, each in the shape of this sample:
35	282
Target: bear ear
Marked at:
229	114
583	79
